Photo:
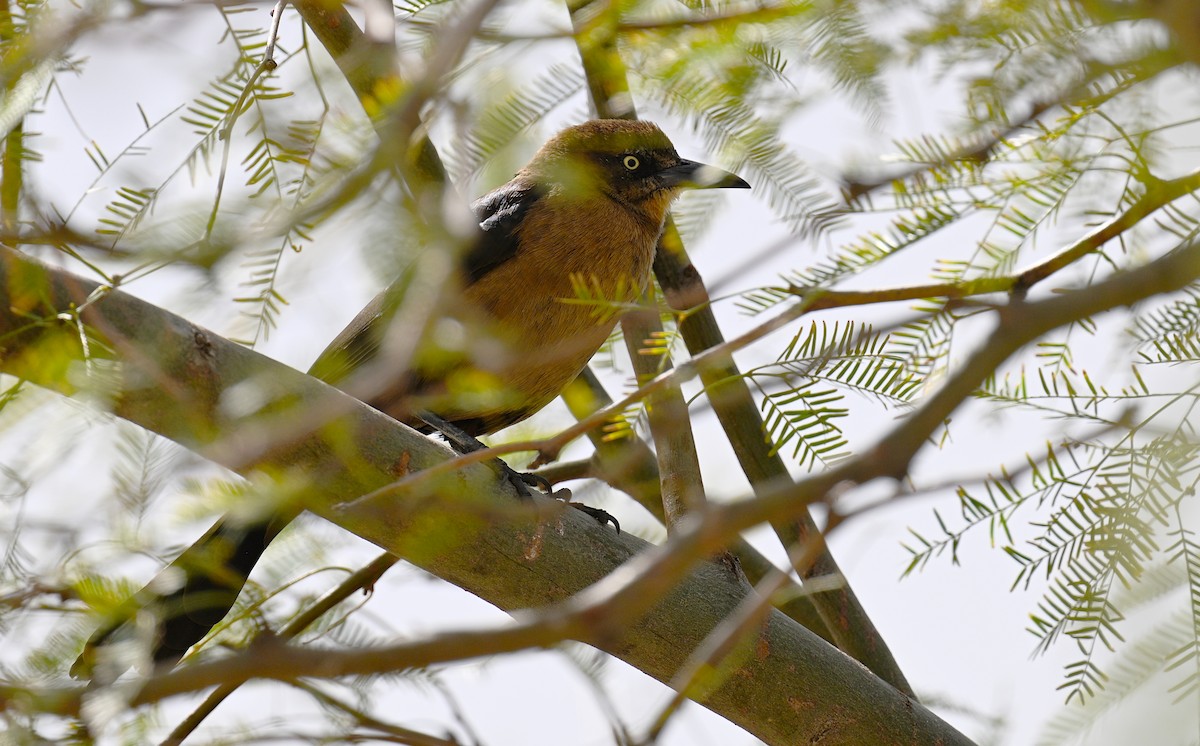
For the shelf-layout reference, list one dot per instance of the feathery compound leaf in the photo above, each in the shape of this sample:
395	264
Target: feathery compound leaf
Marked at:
923	345
843	46
996	509
904	232
126	210
142	468
1134	668
813	370
1097	541
497	125
1171	332
209	111
805	418
730	126
263	306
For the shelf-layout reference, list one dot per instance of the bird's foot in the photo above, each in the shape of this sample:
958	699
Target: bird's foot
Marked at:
603	517
524	482
463	442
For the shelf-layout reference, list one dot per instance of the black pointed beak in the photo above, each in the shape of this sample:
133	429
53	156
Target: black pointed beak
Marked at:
692	175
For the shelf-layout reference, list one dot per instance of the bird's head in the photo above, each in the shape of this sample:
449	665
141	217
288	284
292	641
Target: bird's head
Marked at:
630	161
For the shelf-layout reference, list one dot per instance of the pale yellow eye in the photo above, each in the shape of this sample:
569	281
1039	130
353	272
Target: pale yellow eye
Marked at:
631	162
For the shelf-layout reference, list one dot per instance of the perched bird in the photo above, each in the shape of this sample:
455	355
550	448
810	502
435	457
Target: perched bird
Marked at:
588	208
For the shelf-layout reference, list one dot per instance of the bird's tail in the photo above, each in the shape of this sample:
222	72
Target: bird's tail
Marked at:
191	595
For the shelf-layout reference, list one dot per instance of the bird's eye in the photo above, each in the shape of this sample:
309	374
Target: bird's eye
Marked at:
631	162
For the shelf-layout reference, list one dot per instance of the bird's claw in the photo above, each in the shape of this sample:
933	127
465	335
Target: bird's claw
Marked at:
603	517
525	483
535	480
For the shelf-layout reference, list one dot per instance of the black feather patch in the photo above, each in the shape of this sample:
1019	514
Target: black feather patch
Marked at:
500	213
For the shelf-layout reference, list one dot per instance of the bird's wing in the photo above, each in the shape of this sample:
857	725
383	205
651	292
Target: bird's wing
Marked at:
358	342
500	213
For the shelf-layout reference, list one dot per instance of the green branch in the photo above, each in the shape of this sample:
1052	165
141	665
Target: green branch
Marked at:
839	608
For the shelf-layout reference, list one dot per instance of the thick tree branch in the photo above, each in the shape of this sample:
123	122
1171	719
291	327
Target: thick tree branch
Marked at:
185	383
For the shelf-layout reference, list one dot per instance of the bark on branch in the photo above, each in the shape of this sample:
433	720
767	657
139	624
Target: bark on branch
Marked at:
198	389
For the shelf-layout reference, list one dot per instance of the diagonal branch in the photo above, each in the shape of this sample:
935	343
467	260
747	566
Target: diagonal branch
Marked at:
839	608
628	464
365	577
1159	194
192	386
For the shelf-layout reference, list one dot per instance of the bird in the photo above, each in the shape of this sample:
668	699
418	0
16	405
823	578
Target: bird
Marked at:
589	208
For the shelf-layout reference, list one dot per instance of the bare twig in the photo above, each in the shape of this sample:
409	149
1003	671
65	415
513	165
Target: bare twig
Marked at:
401	734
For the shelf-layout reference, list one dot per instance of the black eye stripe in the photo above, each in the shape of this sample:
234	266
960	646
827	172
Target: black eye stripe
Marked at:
634	163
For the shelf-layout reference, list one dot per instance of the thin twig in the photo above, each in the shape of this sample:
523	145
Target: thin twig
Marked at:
402	734
267	64
363	578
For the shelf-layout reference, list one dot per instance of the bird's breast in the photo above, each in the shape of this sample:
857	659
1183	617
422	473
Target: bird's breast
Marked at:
553	305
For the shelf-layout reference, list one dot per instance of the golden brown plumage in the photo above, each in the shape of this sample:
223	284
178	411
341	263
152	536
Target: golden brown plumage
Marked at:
582	212
589	207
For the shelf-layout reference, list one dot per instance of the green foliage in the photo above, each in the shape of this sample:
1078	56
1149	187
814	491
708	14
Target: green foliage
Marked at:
1058	138
265	301
1171	332
861	254
140	472
1109	505
816	370
127	209
732	126
727	79
499	123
